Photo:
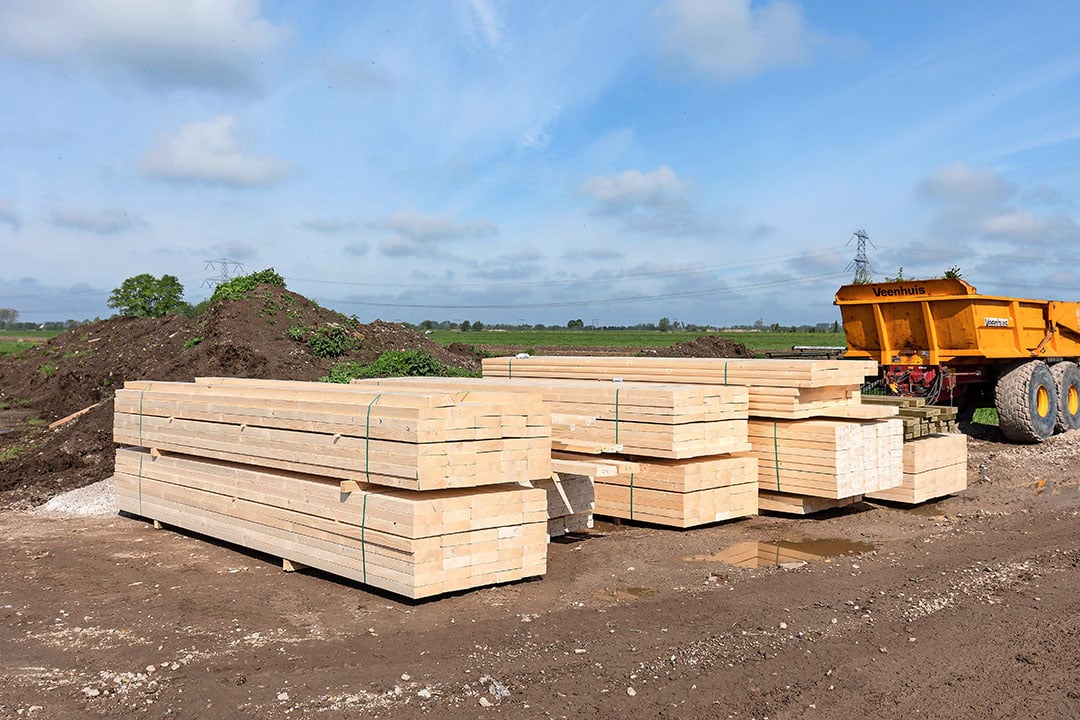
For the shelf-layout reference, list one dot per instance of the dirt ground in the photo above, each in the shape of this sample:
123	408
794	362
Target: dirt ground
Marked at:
966	608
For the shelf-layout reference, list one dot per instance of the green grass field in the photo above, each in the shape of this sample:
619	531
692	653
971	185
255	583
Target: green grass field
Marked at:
36	334
757	342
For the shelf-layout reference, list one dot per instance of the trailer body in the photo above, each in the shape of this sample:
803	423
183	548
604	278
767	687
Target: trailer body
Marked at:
941	339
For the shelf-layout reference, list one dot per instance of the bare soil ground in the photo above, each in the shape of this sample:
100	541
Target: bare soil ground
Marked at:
965	608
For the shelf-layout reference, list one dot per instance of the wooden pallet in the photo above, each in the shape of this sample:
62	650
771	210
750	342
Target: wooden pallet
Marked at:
825	457
413	544
934	466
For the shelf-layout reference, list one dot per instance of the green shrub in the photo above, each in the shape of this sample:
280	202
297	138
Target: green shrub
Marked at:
240	286
48	370
192	342
330	341
395	363
298	332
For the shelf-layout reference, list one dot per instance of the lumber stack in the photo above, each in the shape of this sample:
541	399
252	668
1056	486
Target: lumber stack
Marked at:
829	458
654	420
792	504
787	389
415	544
655	452
680	493
416	493
934	466
919	418
408	440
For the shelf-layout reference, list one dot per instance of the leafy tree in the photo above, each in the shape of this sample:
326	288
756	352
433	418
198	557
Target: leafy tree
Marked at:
147	296
835	326
577	324
466	326
478	325
953	273
899	276
664	325
8	316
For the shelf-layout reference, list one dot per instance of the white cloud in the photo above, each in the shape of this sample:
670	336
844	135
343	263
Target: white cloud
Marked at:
652	203
657	188
9	215
165	43
731	40
104	221
978	203
483	20
416	234
328	226
209	152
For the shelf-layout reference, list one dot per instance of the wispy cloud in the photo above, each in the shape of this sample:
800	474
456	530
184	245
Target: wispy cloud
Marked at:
653	202
415	233
102	221
483	21
328	226
732	40
8	214
161	44
209	152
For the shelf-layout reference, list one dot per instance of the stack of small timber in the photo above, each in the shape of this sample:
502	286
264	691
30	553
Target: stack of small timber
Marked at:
919	418
416	493
679	452
813	439
934	466
790	389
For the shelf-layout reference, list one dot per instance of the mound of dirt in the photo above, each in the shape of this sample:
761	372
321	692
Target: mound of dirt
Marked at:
702	347
251	337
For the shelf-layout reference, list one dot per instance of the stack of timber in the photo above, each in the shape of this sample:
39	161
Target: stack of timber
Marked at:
680	493
919	418
653	420
793	504
827	458
413	441
934	466
787	389
415	544
419	494
678	451
571	497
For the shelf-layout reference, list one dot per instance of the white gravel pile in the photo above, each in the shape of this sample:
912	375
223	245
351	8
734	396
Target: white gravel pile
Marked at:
93	500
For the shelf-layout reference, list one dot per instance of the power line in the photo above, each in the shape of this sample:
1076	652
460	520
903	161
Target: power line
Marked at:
864	271
589	303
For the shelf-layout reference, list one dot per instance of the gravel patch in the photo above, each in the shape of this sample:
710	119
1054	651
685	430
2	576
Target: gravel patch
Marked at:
94	500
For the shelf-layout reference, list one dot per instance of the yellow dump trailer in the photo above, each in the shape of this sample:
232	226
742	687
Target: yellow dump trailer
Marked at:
942	340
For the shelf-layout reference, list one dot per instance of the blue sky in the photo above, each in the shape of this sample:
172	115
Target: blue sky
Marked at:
707	161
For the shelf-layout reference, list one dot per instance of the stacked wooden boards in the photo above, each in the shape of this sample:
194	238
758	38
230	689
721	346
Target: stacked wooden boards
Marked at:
654	420
808	430
789	389
920	419
415	493
678	450
934	466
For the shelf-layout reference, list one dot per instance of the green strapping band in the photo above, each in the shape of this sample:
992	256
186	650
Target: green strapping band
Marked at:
363	545
631	496
777	562
510	368
725	372
776	455
140	483
617	415
140	419
367	442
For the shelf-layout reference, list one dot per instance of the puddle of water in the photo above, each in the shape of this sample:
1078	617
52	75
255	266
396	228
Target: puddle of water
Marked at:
756	554
930	510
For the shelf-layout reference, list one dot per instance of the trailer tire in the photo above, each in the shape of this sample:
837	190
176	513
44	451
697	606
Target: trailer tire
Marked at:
1067	379
1027	402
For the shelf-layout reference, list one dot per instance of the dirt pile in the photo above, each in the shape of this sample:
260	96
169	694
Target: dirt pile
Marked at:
264	335
702	347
